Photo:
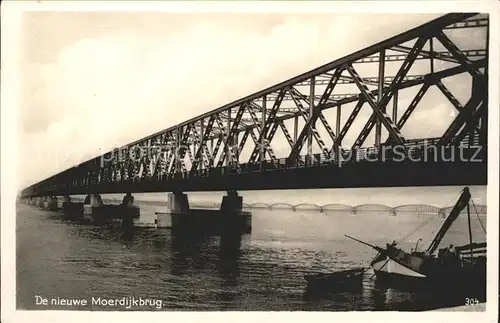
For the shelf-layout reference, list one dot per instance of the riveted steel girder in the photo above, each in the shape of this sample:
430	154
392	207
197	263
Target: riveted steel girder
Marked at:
260	115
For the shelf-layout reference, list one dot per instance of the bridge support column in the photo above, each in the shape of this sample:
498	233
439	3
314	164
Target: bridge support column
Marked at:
130	211
90	207
71	210
178	213
178	202
229	219
96	211
128	200
66	205
95	200
232	217
177	205
50	203
39	201
232	202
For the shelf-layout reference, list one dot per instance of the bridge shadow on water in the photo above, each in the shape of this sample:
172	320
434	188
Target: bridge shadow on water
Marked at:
198	253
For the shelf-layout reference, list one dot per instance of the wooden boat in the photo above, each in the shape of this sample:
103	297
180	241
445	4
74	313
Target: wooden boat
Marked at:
351	279
452	267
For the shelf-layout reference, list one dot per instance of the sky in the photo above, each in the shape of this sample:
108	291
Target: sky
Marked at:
96	80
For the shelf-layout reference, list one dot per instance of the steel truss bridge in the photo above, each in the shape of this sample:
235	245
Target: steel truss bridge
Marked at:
232	147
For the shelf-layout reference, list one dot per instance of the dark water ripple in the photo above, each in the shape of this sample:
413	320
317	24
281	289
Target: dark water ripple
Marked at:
264	271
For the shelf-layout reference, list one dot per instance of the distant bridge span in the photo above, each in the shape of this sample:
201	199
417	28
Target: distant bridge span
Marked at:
231	148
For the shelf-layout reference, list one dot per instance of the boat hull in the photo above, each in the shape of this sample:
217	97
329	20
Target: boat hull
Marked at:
393	274
388	267
350	280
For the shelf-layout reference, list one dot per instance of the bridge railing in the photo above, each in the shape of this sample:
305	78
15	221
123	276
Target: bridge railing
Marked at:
413	150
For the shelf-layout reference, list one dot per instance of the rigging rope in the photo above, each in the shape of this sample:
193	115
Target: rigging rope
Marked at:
425	223
453	199
477	215
414	231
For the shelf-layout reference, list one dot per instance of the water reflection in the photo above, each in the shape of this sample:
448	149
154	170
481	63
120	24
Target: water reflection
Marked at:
185	249
196	272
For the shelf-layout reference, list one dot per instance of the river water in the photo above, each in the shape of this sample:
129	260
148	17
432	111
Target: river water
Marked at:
263	271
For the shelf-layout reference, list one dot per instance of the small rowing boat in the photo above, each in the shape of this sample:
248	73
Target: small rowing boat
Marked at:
351	279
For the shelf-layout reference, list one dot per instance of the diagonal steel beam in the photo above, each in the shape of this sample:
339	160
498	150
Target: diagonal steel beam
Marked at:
167	137
454	101
267	147
205	153
203	147
309	128
394	132
268	123
244	139
297	147
286	133
325	97
471	125
183	149
270	137
377	110
349	122
461	58
413	105
223	138
232	133
463	116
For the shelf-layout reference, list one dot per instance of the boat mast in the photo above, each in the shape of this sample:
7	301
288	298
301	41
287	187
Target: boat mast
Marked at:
462	202
470	235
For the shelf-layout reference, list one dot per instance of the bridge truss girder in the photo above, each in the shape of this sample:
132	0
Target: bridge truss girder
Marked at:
216	139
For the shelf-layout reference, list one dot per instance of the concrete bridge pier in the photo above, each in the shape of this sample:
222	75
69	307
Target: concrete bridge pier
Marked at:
91	207
66	199
177	206
233	218
228	219
128	200
178	203
129	211
96	211
232	202
50	203
71	210
39	201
